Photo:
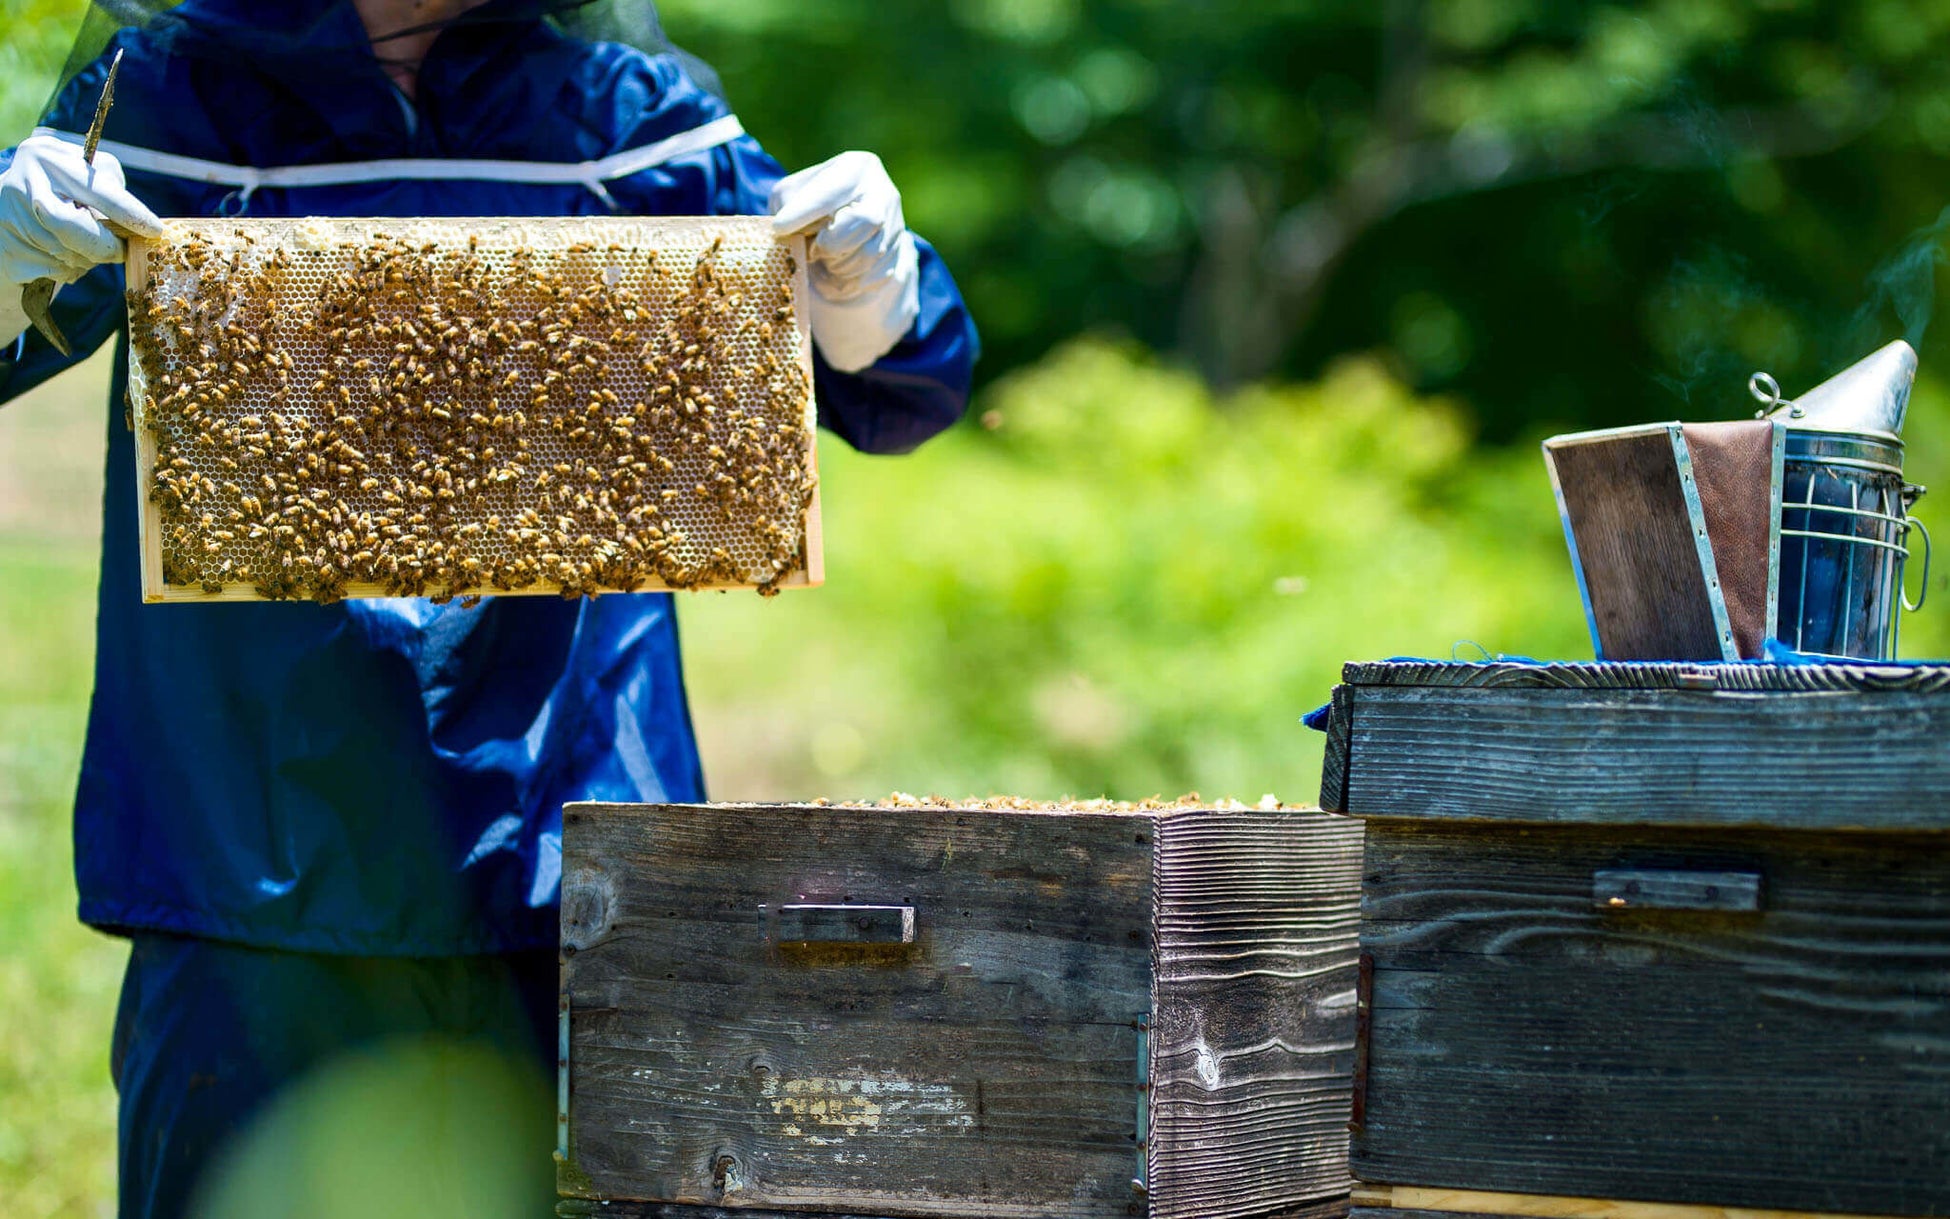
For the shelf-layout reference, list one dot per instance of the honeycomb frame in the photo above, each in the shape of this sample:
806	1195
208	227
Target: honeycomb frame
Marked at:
368	343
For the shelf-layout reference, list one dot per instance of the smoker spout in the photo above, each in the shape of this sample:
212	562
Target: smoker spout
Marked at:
1871	395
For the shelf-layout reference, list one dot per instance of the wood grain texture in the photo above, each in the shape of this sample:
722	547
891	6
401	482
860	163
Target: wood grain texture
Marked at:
1797	1059
590	1208
1253	1031
1601	675
1420	1202
1360	1211
580	1208
1867	760
1542	1206
990	1068
1635	537
1333	761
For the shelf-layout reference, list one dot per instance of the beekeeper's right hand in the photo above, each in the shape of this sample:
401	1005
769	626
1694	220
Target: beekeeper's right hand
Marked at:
55	213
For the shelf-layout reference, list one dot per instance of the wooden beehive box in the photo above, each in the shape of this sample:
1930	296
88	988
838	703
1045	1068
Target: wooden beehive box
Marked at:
1650	940
956	1011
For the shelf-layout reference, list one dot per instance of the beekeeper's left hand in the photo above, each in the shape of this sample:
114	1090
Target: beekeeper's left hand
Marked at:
865	272
60	215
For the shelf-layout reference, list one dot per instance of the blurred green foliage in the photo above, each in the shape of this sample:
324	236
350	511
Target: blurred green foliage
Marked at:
1578	212
1123	585
1570	212
38	35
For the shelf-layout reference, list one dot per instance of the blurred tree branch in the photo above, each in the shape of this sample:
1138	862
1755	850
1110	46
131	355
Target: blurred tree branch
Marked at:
1506	195
1262	272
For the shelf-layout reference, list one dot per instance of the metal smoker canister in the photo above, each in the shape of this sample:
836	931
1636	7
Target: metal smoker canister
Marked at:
1845	510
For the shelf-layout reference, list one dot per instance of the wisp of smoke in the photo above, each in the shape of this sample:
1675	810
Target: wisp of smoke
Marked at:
1906	282
1705	301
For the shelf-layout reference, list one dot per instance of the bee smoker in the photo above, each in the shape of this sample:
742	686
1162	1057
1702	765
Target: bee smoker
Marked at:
1844	526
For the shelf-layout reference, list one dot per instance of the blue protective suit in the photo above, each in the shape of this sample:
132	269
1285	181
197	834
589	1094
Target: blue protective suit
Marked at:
386	777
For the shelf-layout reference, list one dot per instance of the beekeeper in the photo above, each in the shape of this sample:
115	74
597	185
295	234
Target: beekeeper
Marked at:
322	826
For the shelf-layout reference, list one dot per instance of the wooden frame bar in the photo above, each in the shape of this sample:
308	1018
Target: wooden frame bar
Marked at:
1424	1201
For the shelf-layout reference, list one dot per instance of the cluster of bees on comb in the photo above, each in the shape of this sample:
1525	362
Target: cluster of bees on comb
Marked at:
399	417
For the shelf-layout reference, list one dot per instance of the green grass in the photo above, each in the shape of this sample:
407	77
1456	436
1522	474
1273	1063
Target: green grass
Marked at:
58	980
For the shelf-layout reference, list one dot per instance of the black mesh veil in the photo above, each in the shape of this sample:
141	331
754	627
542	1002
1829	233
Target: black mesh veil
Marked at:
633	23
315	32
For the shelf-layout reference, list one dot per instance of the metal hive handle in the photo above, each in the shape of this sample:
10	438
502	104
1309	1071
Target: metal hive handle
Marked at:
1618	890
839	923
1923	594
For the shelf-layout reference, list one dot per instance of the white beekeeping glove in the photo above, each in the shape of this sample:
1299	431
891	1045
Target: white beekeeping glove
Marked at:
55	216
13	320
865	274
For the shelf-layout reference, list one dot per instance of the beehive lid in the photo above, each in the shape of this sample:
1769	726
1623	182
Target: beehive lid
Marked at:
348	407
1855	746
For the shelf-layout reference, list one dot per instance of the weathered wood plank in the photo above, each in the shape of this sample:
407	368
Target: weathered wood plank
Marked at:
1524	1041
592	1208
1669	757
1253	1031
1650	675
580	1208
1333	762
990	1067
1396	1212
1542	1206
1421	1202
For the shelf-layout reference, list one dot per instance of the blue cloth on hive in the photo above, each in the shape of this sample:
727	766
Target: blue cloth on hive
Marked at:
1774	652
1318	717
386	777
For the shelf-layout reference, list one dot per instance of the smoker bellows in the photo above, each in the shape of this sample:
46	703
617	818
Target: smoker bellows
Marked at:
333	408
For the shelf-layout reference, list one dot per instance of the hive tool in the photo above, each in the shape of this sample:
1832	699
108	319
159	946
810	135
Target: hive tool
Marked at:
38	295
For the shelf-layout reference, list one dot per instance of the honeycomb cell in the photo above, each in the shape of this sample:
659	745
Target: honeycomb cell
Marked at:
334	408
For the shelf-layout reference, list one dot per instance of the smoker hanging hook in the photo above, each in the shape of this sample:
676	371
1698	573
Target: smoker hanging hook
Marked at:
1767	391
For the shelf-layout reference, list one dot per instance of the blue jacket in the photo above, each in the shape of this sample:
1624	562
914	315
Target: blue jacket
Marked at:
386	777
